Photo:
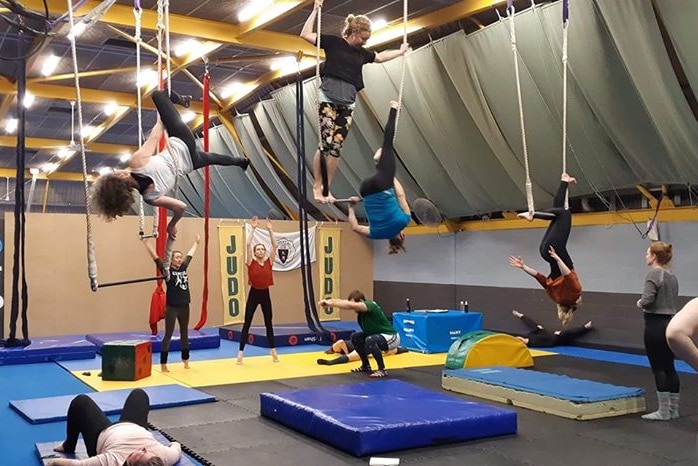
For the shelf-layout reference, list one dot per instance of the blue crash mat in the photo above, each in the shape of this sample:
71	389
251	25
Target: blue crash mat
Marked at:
46	453
290	334
49	349
384	416
544	383
54	409
198	339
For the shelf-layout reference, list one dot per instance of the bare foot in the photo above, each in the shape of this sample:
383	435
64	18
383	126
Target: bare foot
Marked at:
527	215
59	448
240	356
588	325
517	313
274	355
317	194
186	364
163	368
567	178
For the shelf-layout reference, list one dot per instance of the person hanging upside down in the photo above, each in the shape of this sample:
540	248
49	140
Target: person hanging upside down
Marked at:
260	276
540	337
384	198
562	285
347	353
153	174
376	336
341	81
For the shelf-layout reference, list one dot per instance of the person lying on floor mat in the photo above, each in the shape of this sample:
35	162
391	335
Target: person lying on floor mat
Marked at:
127	442
540	337
347	353
376	336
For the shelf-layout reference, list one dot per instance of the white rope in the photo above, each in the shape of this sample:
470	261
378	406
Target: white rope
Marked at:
529	186
404	66
564	106
137	13
166	13
91	257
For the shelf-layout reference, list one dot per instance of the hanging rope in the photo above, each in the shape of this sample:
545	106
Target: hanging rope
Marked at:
318	83
565	24
404	66
207	200
512	33
91	256
311	314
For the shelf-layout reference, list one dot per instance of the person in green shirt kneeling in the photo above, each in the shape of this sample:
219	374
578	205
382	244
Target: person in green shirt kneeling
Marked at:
376	335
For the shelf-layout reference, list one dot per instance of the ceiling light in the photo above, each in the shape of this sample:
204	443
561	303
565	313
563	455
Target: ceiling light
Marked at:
187	116
281	63
50	64
34	171
88	130
378	24
105	171
78	29
49	167
28	99
11	125
231	89
123	158
252	9
186	48
147	78
110	108
65	153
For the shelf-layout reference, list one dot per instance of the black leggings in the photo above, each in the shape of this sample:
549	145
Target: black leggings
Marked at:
541	337
558	232
385	169
86	418
255	298
373	344
660	355
173	314
175	127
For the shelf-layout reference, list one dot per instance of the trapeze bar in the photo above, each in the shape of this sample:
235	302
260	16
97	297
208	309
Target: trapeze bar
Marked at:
129	282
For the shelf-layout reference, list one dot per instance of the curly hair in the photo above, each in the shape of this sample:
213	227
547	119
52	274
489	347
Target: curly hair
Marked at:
396	244
356	24
110	196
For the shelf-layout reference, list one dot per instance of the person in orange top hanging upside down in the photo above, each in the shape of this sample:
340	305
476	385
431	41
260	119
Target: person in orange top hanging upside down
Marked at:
562	285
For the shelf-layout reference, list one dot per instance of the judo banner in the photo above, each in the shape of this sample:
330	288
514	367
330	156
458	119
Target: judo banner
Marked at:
329	270
233	274
288	246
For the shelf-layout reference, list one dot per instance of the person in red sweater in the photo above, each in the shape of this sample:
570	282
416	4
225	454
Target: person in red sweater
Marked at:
260	276
562	285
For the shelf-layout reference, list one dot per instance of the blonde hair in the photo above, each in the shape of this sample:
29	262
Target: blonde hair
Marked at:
356	23
662	251
566	312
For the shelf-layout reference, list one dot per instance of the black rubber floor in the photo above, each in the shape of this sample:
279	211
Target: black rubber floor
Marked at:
231	432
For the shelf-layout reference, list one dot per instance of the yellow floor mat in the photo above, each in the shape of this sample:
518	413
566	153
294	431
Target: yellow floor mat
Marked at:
258	369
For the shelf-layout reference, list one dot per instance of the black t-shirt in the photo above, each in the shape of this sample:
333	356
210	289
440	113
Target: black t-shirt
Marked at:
344	61
178	284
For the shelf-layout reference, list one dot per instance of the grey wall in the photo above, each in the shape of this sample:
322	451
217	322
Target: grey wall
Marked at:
439	271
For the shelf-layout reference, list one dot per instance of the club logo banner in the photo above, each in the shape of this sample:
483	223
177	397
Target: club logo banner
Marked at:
288	251
329	270
232	247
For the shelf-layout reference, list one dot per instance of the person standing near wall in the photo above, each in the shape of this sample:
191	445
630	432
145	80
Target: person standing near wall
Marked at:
260	276
658	303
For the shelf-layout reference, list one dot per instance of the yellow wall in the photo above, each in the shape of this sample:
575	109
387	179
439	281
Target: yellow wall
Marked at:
61	302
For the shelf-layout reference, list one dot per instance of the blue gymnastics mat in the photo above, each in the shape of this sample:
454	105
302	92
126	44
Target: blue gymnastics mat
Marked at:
54	409
543	383
289	334
384	416
49	349
45	452
198	339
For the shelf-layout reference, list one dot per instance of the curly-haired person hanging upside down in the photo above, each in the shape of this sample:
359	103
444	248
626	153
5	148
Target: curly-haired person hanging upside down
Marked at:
153	174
